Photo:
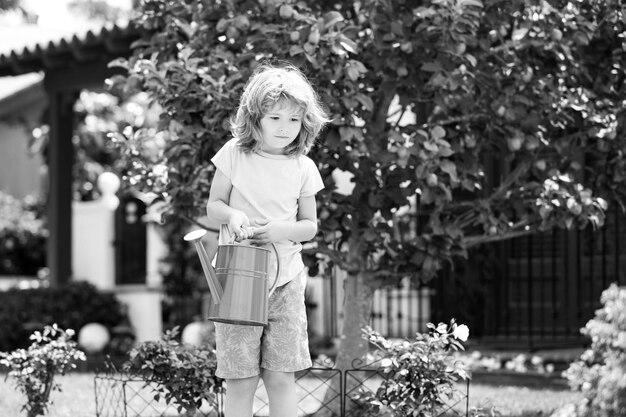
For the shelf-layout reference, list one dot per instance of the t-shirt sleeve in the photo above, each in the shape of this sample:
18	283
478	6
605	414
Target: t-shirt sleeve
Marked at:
223	159
312	180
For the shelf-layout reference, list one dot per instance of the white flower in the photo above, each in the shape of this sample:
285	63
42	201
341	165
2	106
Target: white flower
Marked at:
385	362
461	332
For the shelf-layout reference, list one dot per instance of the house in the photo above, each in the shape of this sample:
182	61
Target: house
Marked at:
21	170
44	79
67	66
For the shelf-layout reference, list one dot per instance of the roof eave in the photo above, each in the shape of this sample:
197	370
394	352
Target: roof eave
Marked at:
105	45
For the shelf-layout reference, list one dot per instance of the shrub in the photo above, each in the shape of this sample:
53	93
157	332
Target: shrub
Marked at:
51	353
22	236
599	372
71	306
183	374
419	376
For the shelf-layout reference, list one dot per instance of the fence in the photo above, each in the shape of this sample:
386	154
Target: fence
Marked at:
322	391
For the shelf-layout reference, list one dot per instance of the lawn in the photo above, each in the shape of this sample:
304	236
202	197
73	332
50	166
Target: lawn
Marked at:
78	398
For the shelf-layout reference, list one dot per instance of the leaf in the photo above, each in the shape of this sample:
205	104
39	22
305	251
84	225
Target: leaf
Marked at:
431	146
354	69
295	50
519	34
349	132
438	132
332	18
432	66
475	3
449	168
348	44
366	101
119	63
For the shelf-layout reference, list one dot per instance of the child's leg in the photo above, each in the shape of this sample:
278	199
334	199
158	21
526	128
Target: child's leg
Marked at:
281	392
240	396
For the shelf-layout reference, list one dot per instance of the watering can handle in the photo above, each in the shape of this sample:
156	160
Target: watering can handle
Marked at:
273	287
225	231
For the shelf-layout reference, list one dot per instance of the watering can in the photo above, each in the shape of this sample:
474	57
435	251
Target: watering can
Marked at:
239	281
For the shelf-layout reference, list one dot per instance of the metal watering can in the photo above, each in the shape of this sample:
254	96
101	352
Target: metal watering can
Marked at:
238	283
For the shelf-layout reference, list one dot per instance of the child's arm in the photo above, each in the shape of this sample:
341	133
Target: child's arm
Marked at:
220	212
303	230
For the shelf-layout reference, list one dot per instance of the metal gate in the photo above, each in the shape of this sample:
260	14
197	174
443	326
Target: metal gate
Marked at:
538	291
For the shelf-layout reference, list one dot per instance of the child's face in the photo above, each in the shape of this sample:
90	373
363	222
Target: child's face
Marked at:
280	126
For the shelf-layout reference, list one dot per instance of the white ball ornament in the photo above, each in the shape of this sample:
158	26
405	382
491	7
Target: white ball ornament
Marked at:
93	337
192	333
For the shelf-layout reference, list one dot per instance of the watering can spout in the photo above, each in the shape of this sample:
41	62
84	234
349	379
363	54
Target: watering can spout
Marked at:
214	286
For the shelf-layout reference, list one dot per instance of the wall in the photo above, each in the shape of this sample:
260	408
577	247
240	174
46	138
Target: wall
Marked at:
93	260
21	173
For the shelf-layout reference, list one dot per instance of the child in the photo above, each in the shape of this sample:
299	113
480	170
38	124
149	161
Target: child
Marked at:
264	189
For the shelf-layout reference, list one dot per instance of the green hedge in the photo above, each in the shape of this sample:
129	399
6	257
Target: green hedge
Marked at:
71	306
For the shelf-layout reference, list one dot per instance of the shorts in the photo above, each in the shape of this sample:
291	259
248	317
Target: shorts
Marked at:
281	346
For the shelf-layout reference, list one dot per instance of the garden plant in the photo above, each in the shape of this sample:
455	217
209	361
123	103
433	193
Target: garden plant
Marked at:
420	377
599	373
181	374
51	353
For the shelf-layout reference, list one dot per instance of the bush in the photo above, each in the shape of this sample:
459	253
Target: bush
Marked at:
71	306
599	372
183	374
51	353
418	376
23	236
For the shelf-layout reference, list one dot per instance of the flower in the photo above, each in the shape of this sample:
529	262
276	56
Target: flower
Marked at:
461	332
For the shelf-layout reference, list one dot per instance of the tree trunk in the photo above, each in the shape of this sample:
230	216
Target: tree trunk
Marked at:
357	307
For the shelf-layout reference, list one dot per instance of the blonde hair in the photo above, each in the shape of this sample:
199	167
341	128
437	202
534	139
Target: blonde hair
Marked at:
266	87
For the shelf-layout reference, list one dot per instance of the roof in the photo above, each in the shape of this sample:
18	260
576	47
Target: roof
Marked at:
101	44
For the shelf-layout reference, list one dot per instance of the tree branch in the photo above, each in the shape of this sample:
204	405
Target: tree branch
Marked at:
508	182
459	119
471	241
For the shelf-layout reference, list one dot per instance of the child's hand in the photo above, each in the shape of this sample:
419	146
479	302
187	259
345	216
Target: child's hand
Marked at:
239	225
265	231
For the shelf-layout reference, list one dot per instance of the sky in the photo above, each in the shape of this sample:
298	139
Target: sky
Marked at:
55	22
54	13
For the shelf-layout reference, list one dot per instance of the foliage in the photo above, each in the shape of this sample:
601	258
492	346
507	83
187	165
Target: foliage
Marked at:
418	376
51	353
71	305
479	120
420	93
599	373
98	115
183	374
23	236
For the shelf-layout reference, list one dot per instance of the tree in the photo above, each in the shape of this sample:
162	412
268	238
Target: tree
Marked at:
481	120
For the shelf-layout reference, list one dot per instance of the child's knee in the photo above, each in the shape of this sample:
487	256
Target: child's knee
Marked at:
243	388
278	381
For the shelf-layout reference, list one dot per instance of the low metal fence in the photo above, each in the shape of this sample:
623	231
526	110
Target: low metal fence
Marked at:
322	391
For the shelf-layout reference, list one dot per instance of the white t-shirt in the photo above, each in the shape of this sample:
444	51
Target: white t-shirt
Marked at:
267	187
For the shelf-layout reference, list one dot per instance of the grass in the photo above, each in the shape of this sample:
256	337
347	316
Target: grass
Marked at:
78	398
515	401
